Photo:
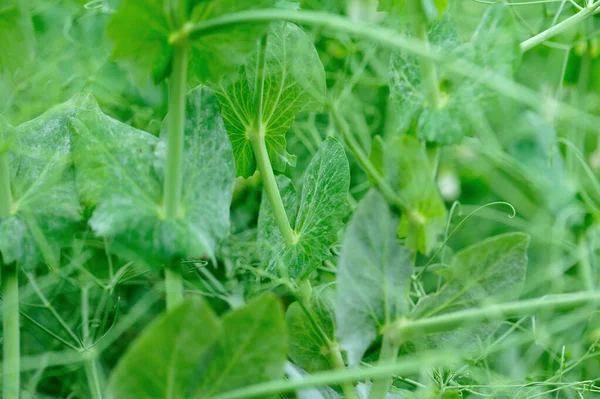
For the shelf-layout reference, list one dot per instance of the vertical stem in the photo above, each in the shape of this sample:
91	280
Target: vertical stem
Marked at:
428	69
174	168
337	363
10	291
91	367
388	354
10	304
270	184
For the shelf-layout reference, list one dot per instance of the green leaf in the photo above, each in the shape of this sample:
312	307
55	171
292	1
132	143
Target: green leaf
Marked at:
430	9
495	41
283	77
321	208
407	168
163	362
309	346
16	35
252	349
373	277
492	270
120	173
140	32
45	212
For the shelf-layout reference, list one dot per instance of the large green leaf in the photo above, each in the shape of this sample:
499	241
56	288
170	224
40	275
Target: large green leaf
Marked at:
321	208
45	212
373	277
490	271
283	77
309	346
163	362
141	30
405	165
252	349
120	173
16	35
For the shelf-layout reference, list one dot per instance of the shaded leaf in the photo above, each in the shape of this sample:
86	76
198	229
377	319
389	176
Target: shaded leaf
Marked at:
373	277
321	208
45	212
119	172
168	354
283	77
252	349
492	270
309	346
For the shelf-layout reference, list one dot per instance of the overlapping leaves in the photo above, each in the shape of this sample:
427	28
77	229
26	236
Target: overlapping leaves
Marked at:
141	30
120	174
283	77
45	211
494	46
315	215
190	353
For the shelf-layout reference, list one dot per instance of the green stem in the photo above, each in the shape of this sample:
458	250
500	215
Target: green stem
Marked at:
363	160
90	365
393	40
427	67
10	290
557	29
405	366
173	286
174	168
388	354
10	305
337	363
404	329
257	140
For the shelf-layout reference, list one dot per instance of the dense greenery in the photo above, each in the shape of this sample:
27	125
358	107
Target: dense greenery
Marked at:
311	199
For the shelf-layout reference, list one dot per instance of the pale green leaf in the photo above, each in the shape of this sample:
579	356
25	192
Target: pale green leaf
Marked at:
321	208
309	347
283	76
119	171
45	211
164	361
490	271
373	277
251	350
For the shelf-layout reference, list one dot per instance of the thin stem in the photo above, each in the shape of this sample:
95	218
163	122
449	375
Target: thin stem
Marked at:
394	40
404	329
362	158
91	368
270	184
405	366
174	169
427	67
10	305
5	187
557	29
337	363
387	355
173	286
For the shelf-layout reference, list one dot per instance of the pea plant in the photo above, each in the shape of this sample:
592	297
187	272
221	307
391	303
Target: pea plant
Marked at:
317	200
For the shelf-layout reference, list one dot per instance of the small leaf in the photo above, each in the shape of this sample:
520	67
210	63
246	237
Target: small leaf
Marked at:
373	277
45	211
490	271
120	173
322	206
252	349
168	354
283	77
408	170
309	349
